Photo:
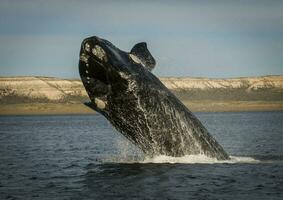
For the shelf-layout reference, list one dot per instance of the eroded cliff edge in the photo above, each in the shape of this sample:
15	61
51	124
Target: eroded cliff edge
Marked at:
48	95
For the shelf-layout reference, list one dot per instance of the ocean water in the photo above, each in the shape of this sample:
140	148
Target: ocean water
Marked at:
83	157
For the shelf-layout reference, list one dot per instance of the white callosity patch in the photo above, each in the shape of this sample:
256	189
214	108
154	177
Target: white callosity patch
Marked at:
84	58
136	59
99	53
87	47
124	75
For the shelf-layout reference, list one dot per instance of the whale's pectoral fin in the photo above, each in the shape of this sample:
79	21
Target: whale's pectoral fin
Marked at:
98	105
143	55
91	105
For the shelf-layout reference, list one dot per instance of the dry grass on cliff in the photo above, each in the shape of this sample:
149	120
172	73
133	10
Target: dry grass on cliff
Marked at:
195	106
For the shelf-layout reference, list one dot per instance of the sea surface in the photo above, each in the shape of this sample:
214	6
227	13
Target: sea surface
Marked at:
83	157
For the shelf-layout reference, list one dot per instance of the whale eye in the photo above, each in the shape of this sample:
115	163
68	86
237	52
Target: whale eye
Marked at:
136	59
99	53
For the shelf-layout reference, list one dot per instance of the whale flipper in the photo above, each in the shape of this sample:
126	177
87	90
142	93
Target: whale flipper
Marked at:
91	105
141	52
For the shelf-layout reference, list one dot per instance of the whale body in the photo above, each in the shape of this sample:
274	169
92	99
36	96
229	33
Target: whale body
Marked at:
122	87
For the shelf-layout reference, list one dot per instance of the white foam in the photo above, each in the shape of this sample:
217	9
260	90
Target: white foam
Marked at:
129	153
194	159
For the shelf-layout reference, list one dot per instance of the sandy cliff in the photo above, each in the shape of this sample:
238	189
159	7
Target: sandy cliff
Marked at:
39	88
61	90
249	83
200	94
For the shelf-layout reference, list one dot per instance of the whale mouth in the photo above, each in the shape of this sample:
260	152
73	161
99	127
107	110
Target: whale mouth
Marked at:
93	68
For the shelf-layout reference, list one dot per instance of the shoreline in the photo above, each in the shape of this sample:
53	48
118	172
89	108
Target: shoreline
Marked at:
195	106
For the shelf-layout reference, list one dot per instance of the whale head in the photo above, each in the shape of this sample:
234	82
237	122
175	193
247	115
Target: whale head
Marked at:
105	69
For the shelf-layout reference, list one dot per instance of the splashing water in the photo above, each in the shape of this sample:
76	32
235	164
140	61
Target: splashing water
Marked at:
127	152
187	159
195	159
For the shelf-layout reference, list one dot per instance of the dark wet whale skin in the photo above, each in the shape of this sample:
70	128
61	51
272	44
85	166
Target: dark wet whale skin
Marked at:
122	88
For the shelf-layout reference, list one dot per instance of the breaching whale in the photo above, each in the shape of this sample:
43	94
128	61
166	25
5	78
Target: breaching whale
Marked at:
121	87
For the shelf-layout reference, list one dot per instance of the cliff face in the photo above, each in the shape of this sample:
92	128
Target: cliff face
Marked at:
40	89
248	83
45	89
265	88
